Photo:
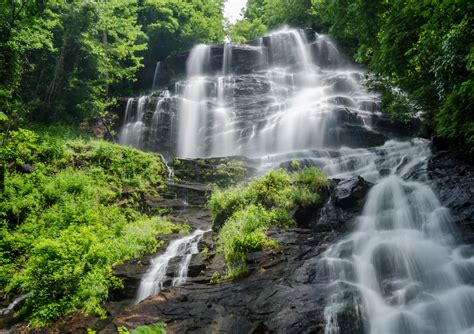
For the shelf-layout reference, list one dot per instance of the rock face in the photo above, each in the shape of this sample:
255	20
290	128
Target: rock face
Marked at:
453	180
248	94
245	59
276	297
350	193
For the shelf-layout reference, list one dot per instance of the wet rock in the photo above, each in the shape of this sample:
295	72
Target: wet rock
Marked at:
308	216
347	314
385	123
197	265
452	178
219	171
350	193
268	300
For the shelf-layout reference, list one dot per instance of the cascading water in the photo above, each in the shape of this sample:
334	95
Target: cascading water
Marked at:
153	280
132	131
155	76
193	109
401	259
292	96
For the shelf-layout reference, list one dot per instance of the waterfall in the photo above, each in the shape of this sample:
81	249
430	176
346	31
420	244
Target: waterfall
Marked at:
155	76
154	279
401	261
132	131
227	59
193	109
292	95
293	99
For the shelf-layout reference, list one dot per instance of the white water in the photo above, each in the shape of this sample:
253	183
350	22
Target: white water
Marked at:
401	258
155	76
193	109
134	125
183	248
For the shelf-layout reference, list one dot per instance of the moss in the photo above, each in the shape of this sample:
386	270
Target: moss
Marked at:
216	171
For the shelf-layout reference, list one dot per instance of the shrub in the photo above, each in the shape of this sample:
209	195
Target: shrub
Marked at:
244	213
64	225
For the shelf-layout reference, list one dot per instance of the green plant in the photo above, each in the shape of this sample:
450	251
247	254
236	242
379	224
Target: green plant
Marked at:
158	328
244	213
79	212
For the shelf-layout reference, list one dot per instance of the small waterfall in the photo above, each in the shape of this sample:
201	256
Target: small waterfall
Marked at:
222	138
132	131
193	109
156	76
14	304
154	279
158	115
227	60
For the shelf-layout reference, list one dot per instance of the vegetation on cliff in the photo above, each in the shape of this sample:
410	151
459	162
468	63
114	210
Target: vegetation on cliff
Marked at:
73	207
242	214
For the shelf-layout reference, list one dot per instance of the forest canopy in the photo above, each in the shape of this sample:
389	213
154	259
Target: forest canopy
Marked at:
67	60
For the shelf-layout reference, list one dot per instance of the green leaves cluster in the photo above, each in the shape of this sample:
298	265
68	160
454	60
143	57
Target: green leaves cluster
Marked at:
67	60
244	213
65	224
261	15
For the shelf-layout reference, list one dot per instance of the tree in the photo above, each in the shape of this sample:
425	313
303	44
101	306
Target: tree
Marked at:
247	30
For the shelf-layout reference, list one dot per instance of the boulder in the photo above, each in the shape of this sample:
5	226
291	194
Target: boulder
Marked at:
350	193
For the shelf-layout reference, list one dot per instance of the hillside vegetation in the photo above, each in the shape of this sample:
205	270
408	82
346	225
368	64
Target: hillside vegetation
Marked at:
71	208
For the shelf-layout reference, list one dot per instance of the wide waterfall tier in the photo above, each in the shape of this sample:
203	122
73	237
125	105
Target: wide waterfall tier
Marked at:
286	92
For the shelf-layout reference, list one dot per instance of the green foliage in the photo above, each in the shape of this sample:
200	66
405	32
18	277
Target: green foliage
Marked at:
244	213
158	328
261	15
65	224
244	232
246	30
67	60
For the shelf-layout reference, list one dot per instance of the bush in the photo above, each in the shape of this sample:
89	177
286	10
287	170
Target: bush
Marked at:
64	225
244	213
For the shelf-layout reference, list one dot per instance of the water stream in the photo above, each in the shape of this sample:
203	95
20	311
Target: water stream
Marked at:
154	279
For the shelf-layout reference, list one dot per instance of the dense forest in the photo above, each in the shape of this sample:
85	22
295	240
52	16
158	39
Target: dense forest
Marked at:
73	206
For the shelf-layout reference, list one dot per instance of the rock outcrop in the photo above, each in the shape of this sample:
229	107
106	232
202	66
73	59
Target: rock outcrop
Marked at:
452	178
